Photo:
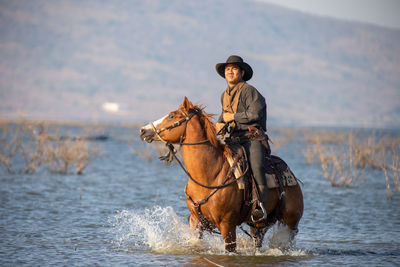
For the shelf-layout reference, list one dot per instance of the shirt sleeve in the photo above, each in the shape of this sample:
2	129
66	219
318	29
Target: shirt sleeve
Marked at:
221	119
254	105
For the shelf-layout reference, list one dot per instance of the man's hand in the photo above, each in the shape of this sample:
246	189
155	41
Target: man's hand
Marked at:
227	116
219	126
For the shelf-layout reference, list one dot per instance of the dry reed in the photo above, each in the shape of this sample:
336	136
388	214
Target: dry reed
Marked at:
149	151
392	171
343	156
20	143
339	165
281	137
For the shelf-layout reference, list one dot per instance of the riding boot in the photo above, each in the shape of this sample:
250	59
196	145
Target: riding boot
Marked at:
261	213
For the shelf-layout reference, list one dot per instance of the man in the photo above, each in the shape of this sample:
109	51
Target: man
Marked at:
244	106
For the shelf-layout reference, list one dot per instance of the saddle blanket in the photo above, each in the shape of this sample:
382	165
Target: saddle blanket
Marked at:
275	170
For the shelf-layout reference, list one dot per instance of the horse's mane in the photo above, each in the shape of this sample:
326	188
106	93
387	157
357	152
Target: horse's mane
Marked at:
211	131
208	125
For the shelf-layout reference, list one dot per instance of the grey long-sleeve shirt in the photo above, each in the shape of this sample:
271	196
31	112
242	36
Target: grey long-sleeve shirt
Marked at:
251	110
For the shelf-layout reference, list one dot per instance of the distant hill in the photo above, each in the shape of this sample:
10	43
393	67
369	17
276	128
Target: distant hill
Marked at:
66	59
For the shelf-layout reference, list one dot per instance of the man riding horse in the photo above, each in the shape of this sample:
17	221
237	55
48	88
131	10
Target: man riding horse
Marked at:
213	195
243	107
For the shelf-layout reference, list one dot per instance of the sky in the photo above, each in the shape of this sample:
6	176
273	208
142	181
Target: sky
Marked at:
380	12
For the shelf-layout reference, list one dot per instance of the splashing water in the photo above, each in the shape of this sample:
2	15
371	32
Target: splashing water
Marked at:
163	231
159	228
280	237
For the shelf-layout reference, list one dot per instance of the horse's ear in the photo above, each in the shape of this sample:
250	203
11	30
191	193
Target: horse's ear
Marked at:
186	105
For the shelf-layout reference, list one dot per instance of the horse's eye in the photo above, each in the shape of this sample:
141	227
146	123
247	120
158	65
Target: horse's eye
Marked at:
171	116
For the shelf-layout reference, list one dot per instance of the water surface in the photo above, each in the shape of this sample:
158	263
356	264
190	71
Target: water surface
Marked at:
125	210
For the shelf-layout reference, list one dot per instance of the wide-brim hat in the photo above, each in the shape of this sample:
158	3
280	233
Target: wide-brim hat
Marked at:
248	71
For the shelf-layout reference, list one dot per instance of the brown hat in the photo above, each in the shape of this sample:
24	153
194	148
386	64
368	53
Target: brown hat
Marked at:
248	72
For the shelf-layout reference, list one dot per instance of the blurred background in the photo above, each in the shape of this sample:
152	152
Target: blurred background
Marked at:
318	63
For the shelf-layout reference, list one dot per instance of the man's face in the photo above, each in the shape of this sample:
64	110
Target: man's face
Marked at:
233	74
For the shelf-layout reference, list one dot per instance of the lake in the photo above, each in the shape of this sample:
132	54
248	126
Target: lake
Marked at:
127	210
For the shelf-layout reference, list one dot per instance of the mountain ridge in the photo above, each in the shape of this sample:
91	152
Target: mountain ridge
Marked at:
65	60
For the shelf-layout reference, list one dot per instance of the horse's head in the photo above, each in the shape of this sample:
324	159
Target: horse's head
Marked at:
171	127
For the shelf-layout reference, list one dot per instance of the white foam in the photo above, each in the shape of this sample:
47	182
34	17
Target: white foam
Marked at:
280	237
163	231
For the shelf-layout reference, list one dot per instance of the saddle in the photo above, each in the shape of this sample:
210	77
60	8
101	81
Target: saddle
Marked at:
277	172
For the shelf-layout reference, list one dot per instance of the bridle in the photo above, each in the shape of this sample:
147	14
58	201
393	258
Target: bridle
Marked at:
172	155
184	120
173	151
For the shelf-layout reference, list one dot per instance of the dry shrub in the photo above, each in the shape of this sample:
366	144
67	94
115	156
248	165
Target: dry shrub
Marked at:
326	137
310	153
281	137
316	139
339	165
145	150
374	152
63	155
32	150
10	144
392	171
37	149
343	156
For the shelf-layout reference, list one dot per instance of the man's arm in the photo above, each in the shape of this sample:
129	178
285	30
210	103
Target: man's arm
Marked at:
220	122
221	118
254	106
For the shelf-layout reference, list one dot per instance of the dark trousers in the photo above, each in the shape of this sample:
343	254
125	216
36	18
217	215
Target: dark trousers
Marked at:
256	154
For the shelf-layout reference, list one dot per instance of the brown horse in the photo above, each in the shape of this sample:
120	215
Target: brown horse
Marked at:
210	204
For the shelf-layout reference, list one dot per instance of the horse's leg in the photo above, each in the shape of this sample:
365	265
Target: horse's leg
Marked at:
228	232
292	235
293	210
258	235
194	224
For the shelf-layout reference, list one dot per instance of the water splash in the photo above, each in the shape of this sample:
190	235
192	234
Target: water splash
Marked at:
159	228
163	231
280	237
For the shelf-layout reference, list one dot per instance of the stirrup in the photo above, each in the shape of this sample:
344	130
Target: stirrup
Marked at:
265	215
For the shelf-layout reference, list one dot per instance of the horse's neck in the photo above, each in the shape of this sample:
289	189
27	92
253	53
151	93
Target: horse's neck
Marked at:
203	160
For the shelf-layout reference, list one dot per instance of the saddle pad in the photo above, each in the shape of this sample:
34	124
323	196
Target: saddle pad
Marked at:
237	172
275	166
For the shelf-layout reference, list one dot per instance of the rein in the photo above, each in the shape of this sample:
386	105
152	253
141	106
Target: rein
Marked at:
222	185
172	155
